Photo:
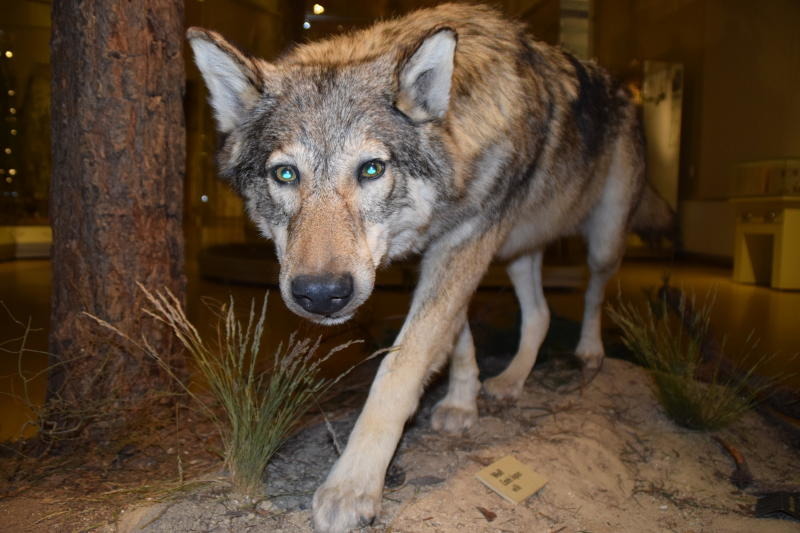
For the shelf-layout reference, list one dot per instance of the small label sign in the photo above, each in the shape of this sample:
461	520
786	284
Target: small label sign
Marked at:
511	479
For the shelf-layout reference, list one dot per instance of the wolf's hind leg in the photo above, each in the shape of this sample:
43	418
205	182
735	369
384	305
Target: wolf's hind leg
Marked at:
458	410
590	346
604	232
526	276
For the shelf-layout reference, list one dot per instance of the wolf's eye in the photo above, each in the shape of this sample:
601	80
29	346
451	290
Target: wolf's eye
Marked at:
285	173
371	170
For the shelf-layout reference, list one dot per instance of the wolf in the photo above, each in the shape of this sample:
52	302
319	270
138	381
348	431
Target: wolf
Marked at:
449	133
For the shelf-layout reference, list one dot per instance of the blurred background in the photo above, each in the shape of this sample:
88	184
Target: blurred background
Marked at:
717	82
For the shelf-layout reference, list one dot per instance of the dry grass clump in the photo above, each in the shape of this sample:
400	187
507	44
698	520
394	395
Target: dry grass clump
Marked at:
696	384
25	385
260	407
18	348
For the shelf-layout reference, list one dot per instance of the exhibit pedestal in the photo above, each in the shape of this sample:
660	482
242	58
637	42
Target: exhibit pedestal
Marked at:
767	241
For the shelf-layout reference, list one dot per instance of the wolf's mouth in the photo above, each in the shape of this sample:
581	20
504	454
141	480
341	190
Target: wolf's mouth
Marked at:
333	320
322	319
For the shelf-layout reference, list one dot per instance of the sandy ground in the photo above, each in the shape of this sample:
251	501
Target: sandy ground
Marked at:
614	462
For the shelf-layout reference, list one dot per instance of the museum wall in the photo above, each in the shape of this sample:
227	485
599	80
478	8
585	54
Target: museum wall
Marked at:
742	70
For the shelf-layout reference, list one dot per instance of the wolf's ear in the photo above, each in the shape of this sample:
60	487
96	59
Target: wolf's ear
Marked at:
426	76
233	79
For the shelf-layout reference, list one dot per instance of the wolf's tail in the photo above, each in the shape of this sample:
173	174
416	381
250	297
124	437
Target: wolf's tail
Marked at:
653	219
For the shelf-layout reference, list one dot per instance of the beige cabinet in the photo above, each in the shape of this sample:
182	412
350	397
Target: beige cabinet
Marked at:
767	241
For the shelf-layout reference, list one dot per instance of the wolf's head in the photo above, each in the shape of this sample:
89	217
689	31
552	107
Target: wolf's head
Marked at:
337	161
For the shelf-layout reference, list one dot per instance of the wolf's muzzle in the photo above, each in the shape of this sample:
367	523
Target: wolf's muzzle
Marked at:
322	294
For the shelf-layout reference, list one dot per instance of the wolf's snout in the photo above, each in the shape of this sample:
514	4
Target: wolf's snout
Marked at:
322	294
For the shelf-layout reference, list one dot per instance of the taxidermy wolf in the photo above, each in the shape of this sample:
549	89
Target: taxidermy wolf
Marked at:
451	133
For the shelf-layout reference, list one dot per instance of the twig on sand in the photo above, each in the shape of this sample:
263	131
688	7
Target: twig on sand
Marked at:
741	477
50	516
487	514
332	432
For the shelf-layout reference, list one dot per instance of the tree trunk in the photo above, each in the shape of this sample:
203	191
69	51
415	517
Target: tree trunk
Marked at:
116	201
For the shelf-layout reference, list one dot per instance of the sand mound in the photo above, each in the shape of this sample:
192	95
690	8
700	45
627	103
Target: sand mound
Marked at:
614	462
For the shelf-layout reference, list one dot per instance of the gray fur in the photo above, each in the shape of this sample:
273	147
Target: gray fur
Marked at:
519	145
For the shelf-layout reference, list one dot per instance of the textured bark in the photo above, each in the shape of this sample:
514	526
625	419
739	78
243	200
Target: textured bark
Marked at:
116	195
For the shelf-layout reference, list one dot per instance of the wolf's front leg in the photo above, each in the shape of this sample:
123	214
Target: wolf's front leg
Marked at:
451	271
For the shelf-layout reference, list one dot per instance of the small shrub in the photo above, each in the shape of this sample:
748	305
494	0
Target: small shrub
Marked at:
260	407
672	341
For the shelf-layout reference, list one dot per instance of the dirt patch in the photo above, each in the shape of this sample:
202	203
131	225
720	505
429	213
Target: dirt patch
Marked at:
614	463
60	486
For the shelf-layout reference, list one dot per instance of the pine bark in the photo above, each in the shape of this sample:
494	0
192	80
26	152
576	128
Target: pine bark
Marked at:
118	145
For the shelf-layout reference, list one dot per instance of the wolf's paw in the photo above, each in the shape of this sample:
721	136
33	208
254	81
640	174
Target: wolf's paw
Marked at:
453	419
591	366
341	507
591	353
503	388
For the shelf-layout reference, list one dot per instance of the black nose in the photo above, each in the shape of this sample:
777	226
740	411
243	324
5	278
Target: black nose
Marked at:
322	294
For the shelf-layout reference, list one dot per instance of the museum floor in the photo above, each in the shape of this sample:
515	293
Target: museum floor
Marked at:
771	316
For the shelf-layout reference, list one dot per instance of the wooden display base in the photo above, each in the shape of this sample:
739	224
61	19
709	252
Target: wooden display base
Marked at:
255	264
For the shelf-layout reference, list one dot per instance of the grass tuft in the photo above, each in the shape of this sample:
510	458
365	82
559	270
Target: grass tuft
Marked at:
696	384
259	408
